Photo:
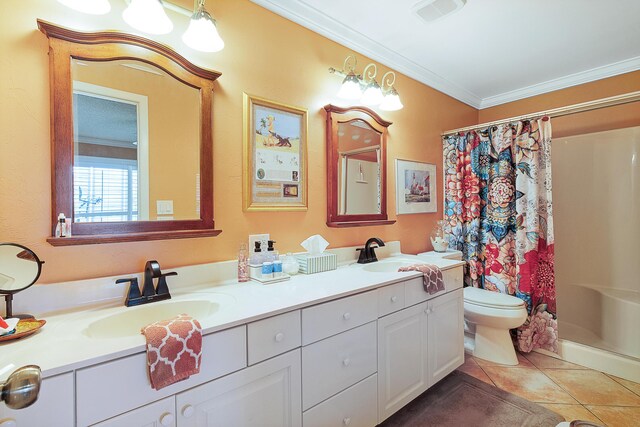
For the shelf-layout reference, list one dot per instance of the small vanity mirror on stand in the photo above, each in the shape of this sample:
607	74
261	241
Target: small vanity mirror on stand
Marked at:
356	167
20	268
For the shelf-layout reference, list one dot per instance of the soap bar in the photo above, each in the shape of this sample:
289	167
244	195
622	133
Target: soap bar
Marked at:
3	324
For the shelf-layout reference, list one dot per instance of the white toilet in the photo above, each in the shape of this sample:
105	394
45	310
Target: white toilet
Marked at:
488	318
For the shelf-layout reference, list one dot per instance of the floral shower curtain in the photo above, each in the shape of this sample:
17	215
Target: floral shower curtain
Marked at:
499	214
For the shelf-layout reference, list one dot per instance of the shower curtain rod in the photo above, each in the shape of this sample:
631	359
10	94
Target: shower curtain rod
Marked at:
558	112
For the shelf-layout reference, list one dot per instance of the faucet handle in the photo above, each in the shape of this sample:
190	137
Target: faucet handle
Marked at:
163	288
362	258
134	289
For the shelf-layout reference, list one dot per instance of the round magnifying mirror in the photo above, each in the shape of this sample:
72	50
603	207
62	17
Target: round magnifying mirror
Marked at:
20	267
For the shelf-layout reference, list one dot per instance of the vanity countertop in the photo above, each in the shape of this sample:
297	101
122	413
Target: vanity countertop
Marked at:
63	344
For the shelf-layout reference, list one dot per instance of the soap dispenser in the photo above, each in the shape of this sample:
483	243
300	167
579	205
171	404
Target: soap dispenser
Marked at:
256	257
272	253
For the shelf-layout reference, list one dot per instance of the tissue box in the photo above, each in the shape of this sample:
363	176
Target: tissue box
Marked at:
310	264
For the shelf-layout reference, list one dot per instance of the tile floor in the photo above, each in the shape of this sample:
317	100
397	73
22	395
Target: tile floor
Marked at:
573	391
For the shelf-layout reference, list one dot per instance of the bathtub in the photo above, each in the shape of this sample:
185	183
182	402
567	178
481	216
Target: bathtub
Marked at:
600	317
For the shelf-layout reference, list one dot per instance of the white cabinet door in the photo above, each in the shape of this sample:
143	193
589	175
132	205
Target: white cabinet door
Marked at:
402	358
158	414
263	395
446	335
54	407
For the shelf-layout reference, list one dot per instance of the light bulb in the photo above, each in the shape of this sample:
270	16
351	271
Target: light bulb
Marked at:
373	94
94	7
202	33
391	101
350	88
147	16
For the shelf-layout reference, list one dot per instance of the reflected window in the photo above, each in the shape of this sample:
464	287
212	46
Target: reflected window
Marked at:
105	189
106	171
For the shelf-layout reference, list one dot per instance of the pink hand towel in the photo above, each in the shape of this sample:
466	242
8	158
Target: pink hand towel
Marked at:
174	350
432	280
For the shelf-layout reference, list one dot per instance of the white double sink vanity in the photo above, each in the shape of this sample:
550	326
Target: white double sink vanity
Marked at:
348	347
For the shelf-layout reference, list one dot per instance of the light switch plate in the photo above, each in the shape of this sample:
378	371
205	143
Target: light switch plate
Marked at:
263	238
164	207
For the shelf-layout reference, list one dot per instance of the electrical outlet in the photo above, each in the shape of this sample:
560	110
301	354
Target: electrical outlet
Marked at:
263	238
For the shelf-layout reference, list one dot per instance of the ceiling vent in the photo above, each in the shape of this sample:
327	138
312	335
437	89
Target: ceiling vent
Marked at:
432	10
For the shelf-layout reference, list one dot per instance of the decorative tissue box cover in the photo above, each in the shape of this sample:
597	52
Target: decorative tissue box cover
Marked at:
310	264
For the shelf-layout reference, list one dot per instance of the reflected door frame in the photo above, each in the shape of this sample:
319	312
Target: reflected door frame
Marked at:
142	108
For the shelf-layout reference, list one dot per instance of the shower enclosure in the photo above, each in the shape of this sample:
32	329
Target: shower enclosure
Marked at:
596	196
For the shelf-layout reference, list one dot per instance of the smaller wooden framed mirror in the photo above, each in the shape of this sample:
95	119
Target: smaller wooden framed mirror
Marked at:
356	167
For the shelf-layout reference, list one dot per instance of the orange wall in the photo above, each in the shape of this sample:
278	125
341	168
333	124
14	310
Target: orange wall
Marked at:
266	56
591	121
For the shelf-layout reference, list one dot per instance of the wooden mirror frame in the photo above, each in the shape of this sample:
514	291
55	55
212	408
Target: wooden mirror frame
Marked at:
335	116
65	45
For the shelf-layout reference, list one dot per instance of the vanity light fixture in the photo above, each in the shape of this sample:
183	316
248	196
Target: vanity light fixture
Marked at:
365	88
148	16
202	33
93	7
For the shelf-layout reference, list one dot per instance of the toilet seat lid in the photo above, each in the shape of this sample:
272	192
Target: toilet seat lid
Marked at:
491	299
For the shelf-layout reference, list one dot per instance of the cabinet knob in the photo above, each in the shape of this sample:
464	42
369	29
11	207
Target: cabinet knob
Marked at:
346	316
394	298
8	423
279	337
427	310
166	420
346	421
346	362
187	411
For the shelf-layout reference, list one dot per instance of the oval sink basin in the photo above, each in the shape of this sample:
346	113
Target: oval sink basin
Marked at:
129	322
388	266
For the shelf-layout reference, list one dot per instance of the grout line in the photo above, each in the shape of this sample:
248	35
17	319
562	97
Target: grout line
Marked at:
623	385
488	376
561	387
594	415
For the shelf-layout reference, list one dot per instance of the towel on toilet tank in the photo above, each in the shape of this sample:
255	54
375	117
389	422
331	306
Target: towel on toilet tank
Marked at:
174	350
432	280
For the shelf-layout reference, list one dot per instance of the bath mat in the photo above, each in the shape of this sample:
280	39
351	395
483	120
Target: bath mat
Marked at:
461	400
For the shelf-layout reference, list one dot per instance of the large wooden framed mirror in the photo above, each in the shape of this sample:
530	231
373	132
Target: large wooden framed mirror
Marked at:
356	167
131	135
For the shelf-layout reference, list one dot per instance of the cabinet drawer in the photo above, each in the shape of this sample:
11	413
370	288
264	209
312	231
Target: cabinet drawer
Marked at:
160	413
390	299
331	365
415	293
275	335
54	407
354	407
337	316
124	383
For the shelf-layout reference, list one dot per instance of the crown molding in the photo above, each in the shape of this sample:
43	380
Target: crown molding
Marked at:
610	70
316	21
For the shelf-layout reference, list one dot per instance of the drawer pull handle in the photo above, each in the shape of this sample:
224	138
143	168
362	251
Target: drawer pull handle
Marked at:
346	362
166	420
8	423
346	421
187	411
346	316
279	337
394	298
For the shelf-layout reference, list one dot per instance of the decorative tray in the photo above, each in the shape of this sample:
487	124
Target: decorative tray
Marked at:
23	328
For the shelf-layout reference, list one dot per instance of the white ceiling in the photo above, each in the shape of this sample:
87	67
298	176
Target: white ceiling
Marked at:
491	51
